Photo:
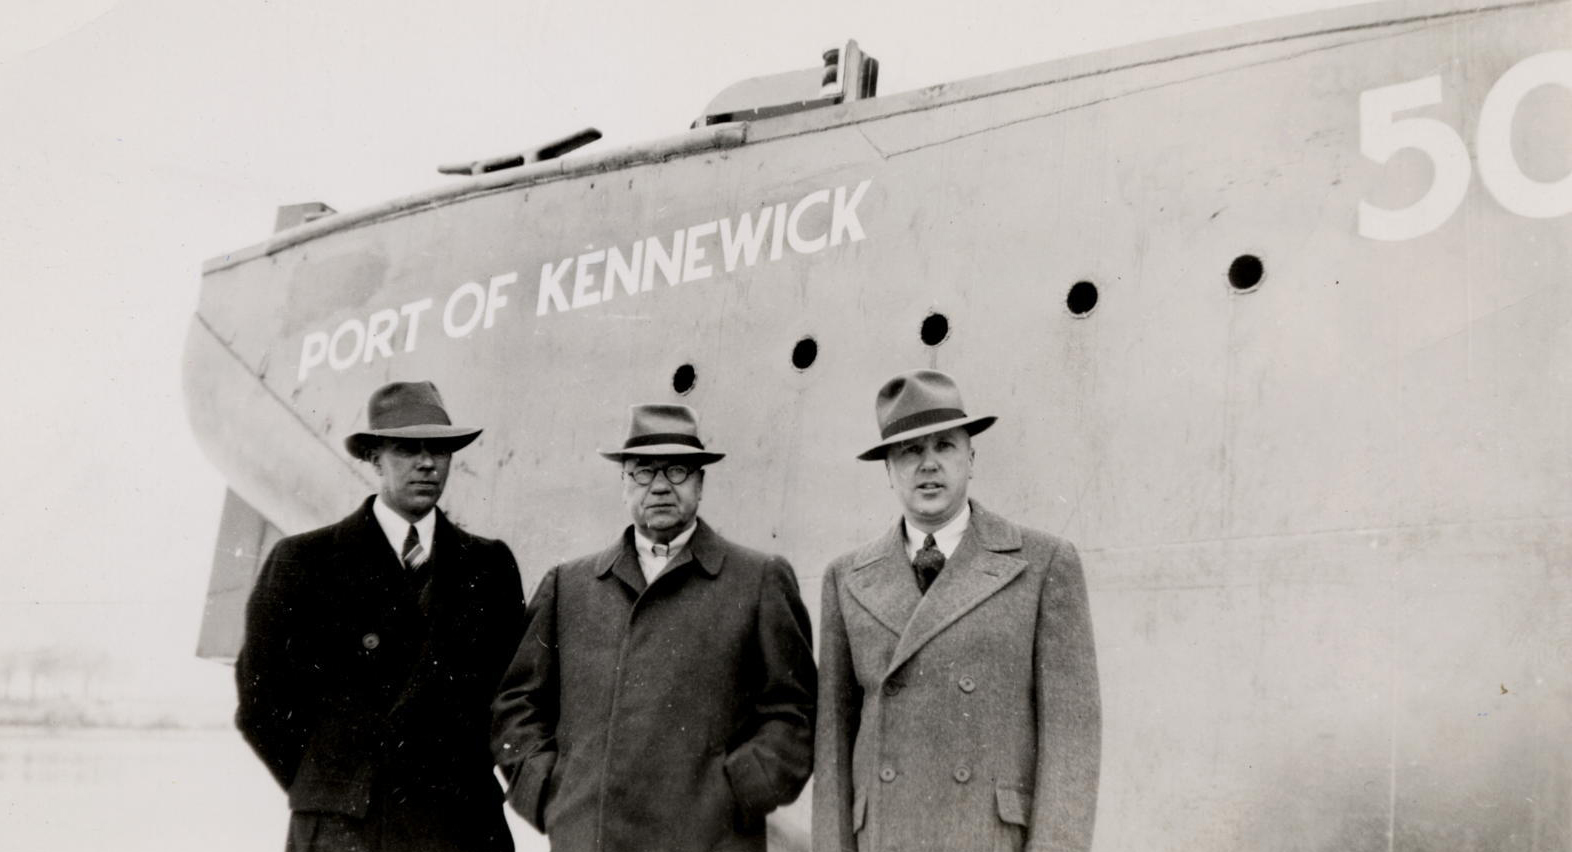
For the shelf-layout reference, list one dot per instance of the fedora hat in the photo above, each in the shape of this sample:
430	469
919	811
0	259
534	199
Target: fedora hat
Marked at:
657	429
917	403
410	411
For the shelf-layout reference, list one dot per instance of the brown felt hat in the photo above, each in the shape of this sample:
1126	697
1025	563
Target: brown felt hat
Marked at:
659	429
917	403
410	411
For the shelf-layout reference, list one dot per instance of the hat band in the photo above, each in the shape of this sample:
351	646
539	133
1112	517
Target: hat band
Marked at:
921	419
411	414
663	438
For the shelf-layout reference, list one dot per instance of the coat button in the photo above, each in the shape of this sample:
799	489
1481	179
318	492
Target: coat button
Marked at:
370	641
887	774
891	687
966	684
963	774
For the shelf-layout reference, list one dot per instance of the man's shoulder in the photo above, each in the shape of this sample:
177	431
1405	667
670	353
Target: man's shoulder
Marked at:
321	537
1035	544
592	563
869	551
742	554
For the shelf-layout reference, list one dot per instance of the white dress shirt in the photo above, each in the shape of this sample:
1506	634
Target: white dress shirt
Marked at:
946	538
653	565
397	529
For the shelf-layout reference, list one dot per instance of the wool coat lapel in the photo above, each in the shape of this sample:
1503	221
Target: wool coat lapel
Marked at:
883	582
621	561
980	566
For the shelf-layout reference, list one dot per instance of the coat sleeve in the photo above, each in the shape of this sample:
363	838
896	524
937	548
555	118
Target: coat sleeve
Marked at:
524	713
840	708
276	708
771	766
1069	712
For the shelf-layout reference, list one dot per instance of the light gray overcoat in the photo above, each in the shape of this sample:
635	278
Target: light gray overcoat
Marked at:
964	719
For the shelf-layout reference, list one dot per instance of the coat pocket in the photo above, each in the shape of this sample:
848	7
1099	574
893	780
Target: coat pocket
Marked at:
530	787
1015	808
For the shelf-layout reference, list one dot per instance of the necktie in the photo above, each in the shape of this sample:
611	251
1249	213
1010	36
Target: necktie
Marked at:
927	563
413	553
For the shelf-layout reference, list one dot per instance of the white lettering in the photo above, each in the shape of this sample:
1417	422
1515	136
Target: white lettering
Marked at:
625	271
780	231
551	288
670	263
583	278
1498	165
691	270
746	240
844	221
313	351
794	237
412	312
339	361
494	297
473	291
379	333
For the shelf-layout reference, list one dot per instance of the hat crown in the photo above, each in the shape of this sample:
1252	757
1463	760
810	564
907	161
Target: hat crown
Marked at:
402	404
917	399
662	423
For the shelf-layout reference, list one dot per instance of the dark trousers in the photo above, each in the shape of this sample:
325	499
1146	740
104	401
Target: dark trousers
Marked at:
410	825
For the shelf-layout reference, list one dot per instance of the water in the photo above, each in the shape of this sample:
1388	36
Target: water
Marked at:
67	790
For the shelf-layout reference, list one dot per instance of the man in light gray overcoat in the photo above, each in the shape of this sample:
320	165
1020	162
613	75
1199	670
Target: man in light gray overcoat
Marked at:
958	699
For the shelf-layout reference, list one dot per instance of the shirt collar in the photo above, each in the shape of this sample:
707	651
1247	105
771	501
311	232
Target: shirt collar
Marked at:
646	548
946	538
396	528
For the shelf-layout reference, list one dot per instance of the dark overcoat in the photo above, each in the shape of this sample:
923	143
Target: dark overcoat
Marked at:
366	687
670	717
964	719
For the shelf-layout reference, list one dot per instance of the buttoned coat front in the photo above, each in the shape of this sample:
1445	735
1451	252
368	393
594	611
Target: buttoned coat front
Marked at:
967	718
668	717
367	692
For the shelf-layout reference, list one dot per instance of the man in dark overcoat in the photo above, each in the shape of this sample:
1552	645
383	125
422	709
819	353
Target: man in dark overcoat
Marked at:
373	648
662	698
958	693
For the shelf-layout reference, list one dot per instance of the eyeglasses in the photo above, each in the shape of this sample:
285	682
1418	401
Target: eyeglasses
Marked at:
676	474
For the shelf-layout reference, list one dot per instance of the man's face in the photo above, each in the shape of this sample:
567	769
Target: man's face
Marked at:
413	475
930	475
661	509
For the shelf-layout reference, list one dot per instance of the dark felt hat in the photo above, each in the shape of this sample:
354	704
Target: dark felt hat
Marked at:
917	403
660	429
410	411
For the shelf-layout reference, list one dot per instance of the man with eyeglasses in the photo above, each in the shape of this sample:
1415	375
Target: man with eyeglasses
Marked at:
372	649
663	695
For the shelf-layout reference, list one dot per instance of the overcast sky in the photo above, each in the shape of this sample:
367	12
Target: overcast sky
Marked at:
139	138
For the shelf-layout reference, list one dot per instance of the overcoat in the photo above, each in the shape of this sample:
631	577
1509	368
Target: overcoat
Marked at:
669	717
964	719
365	687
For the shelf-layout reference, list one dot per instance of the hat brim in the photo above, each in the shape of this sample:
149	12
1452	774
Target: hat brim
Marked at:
701	457
453	438
972	425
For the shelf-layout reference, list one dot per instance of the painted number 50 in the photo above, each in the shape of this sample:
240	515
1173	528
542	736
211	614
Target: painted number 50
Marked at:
1381	135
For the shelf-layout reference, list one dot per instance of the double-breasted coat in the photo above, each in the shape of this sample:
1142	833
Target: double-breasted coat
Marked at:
967	718
366	687
668	717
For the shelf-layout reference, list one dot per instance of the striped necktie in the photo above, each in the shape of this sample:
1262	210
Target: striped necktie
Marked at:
413	553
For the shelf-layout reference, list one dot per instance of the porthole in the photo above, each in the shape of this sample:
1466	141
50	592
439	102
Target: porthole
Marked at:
1245	272
1081	298
935	328
682	380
